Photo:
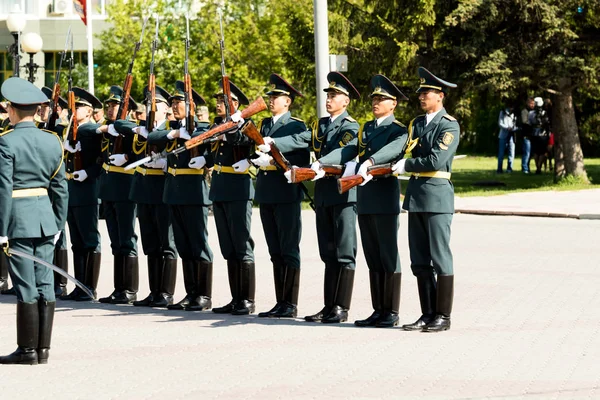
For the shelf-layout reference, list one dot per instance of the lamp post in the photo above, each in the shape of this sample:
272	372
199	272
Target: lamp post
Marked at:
32	43
15	23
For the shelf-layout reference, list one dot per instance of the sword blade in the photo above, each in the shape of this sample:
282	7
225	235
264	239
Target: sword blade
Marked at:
138	163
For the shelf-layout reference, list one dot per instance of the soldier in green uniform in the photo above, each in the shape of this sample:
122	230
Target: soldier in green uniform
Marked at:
4	289
380	141
33	210
119	212
335	213
186	195
430	202
231	192
280	203
153	215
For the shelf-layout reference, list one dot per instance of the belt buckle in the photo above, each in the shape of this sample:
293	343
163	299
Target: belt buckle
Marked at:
174	172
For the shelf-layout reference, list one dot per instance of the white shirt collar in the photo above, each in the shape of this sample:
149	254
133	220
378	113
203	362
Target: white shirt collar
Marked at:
333	117
380	120
275	118
431	116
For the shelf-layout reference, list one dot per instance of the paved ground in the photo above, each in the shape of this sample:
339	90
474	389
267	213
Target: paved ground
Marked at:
525	325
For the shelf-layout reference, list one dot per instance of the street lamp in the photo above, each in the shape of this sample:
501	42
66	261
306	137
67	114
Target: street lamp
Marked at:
15	23
32	43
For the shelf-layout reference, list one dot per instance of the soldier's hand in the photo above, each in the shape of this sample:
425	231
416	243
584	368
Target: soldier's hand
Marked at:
142	131
268	140
3	242
112	131
237	118
56	237
241	166
118	159
316	166
160	163
102	129
197	162
71	149
350	169
80	175
362	171
398	168
288	175
263	160
183	133
264	148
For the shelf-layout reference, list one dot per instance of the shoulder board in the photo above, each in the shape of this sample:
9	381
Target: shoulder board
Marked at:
47	130
399	123
296	119
5	132
449	117
349	118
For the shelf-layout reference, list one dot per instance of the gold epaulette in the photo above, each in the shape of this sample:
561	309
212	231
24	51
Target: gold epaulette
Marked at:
297	119
399	123
449	117
5	132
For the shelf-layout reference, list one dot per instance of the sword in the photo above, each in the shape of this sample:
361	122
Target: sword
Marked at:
11	252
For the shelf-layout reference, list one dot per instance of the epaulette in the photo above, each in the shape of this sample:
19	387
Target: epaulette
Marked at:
48	130
349	118
297	119
5	132
449	117
399	123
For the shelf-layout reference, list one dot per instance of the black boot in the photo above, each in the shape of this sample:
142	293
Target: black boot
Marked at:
247	282
92	273
233	272
79	262
291	288
118	265
28	325
376	280
443	307
155	266
329	291
46	312
427	296
343	297
391	300
3	272
203	290
131	281
166	285
61	260
189	281
278	277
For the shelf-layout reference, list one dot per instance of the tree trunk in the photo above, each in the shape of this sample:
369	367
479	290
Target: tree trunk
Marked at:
567	147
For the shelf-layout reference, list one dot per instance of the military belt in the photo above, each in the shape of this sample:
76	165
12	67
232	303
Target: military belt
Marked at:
269	168
432	174
120	170
149	171
228	170
34	192
185	171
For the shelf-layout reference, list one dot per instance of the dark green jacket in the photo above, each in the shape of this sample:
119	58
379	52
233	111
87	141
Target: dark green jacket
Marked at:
435	149
31	158
271	186
324	139
381	144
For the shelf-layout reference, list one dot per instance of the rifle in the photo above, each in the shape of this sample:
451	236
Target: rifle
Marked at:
188	95
250	130
53	117
77	162
124	106
225	79
304	174
151	93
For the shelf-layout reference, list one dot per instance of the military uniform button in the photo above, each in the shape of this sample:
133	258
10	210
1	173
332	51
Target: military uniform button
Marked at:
220	154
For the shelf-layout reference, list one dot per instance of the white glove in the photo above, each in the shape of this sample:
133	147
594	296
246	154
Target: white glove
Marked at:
316	166
288	175
112	131
263	160
197	162
71	149
237	117
264	148
398	168
362	171
183	133
3	240
269	140
241	166
118	159
160	163
142	131
350	169
80	175
56	237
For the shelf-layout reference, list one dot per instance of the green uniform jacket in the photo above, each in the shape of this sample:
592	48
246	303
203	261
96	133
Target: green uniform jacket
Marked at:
325	138
31	158
183	189
435	149
271	186
381	144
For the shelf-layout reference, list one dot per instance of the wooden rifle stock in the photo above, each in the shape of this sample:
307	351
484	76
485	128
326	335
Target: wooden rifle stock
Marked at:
77	162
252	132
122	113
304	174
255	107
151	110
378	171
53	117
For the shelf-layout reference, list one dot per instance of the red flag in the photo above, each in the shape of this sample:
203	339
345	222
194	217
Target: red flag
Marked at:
81	9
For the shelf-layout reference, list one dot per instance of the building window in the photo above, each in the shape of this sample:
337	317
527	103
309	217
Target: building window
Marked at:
52	62
6	66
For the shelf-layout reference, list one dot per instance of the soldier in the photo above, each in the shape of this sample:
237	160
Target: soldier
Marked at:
119	211
186	195
153	215
44	109
381	140
231	192
336	213
32	177
280	203
98	115
430	202
4	289
83	170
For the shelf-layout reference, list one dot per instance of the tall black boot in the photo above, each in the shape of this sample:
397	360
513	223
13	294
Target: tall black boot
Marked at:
189	281
131	281
376	280
291	289
118	265
233	272
343	297
28	328
427	297
155	266
92	273
247	282
46	312
203	290
166	285
279	272
443	307
3	272
391	300
79	263
330	283
61	260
